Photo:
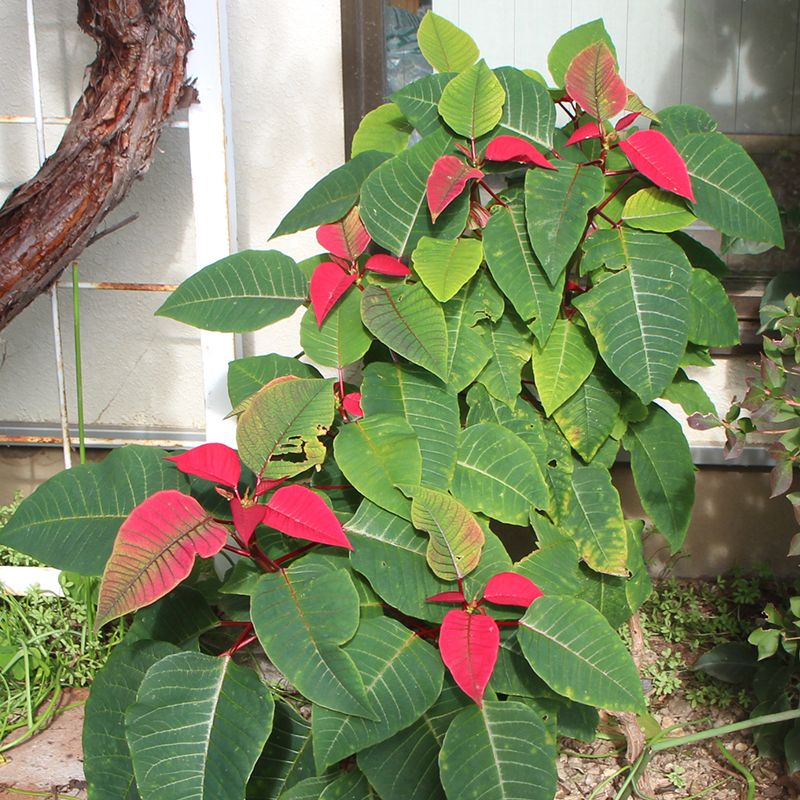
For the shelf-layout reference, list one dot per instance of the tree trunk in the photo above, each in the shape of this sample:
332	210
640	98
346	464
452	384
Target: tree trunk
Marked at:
133	85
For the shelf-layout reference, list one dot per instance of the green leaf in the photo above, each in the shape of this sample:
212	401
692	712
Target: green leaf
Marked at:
387	764
202	697
498	475
675	122
607	249
712	317
180	618
653	209
588	417
419	101
241	292
498	752
302	636
332	197
509	343
341	340
391	555
106	758
518	272
663	473
522	420
286	759
578	654
554	568
512	674
732	662
393	206
571	43
606	593
402	676
556	204
472	103
456	539
70	521
383	129
432	412
279	427
310	788
562	363
347	786
377	453
247	375
444	266
689	395
445	46
699	255
731	193
467	353
640	316
595	522
528	111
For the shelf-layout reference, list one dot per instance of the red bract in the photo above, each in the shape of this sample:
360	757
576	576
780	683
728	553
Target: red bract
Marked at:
213	462
298	512
512	148
154	551
346	238
656	158
627	120
386	265
591	130
447	597
469	643
511	589
246	518
352	404
593	82
328	283
446	181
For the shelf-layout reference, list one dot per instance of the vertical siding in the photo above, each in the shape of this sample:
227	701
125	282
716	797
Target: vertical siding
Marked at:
738	59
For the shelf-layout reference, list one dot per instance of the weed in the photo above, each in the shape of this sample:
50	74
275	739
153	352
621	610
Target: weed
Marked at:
676	776
46	643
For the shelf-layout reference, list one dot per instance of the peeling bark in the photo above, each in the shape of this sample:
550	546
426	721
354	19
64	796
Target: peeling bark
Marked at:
134	84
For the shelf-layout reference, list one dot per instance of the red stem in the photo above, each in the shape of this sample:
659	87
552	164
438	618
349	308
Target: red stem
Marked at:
613	222
568	112
295	553
245	639
612	172
614	193
507	623
334	486
226	623
492	194
238	550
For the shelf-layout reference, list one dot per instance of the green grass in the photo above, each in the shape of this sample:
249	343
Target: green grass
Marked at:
46	643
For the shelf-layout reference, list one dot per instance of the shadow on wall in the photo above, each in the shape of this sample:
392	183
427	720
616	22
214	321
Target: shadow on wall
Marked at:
735	524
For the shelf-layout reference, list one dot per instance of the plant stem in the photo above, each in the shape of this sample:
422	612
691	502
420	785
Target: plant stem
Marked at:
295	553
76	314
494	197
711	733
741	769
614	193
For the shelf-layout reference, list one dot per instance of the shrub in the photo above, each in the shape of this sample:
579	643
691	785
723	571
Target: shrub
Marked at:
519	291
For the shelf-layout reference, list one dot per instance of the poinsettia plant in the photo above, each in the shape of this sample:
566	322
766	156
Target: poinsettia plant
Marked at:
520	291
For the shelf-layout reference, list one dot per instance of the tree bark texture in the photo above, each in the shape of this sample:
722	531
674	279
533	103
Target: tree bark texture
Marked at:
134	84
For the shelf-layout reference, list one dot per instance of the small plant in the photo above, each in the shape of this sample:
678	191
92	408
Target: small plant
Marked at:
46	643
520	293
675	775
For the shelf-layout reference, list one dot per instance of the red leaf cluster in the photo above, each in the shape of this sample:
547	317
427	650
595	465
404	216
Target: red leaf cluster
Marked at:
469	638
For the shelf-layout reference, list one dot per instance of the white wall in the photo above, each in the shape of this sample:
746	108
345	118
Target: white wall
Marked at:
139	371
